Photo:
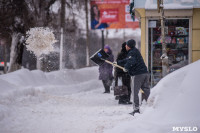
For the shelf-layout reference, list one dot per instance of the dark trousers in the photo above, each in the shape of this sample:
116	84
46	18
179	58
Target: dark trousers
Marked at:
107	84
140	82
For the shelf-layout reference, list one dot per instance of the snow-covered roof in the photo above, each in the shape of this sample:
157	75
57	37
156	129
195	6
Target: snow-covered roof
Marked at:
168	4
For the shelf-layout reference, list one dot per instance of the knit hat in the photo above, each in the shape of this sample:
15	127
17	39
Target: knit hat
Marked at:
130	43
109	49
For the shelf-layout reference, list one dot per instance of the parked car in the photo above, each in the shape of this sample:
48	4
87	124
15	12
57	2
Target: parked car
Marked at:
2	67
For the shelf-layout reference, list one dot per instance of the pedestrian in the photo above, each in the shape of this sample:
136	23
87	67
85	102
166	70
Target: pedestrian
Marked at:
135	66
105	70
125	77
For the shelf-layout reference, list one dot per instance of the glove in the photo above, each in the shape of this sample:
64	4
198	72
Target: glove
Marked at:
114	63
125	70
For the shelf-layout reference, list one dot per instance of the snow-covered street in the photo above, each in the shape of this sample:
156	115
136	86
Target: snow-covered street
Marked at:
71	107
71	101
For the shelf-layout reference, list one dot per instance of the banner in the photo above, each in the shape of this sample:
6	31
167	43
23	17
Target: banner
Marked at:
111	14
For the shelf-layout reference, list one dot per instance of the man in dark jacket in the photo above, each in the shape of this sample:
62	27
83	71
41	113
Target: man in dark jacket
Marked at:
137	69
105	70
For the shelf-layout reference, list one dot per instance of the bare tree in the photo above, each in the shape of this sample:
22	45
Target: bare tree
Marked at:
16	17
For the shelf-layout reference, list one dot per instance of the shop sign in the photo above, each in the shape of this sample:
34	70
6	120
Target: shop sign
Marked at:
152	24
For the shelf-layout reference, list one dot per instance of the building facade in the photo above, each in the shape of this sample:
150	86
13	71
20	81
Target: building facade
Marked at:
182	34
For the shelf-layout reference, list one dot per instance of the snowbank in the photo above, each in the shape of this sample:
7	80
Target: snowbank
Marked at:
26	78
174	102
25	83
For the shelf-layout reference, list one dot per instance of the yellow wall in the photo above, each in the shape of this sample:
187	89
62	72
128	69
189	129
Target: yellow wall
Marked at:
196	35
143	33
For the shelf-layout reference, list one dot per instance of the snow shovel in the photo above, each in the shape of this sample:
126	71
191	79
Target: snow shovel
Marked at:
100	57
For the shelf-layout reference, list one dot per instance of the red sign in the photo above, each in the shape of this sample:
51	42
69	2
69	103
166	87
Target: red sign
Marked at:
109	15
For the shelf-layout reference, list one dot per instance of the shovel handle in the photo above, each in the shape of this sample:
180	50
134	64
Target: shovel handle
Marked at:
114	64
120	68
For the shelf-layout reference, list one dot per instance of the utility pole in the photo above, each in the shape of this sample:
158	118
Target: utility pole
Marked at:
62	25
87	34
164	57
102	37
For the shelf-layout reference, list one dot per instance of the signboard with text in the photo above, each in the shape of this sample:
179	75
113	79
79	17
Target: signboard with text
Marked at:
111	14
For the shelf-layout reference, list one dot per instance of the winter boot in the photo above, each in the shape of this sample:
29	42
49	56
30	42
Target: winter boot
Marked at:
135	111
129	102
116	97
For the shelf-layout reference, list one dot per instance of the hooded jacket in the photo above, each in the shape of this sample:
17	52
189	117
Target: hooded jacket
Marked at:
105	70
134	62
122	55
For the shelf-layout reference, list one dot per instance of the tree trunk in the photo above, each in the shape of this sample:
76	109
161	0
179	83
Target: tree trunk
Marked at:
62	29
73	55
14	53
5	58
38	63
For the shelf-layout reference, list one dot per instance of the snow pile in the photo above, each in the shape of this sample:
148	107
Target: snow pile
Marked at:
40	40
24	79
26	84
174	102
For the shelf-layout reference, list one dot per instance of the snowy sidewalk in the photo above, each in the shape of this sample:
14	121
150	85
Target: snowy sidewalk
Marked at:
73	108
85	112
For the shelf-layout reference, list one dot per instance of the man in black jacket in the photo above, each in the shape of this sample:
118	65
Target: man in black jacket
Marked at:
137	69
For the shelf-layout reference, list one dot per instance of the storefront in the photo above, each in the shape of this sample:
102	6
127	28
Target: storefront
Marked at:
177	40
181	31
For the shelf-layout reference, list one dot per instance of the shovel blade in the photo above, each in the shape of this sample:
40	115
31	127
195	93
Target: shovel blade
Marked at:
99	57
